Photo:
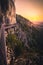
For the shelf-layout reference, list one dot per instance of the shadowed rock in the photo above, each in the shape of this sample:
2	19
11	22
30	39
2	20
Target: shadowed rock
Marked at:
4	5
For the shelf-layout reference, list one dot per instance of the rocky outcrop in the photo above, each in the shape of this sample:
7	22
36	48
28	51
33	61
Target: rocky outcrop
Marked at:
7	17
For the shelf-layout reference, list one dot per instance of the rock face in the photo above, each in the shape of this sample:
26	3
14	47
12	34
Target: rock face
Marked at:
7	11
7	16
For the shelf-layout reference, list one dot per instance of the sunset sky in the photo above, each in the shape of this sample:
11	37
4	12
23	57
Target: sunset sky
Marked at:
30	9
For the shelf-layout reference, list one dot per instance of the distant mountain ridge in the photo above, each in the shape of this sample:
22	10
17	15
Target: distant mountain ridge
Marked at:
27	27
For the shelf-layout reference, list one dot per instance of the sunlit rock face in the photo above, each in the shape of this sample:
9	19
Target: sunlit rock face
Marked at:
11	12
7	11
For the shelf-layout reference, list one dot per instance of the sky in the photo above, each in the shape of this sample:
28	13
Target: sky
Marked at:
30	9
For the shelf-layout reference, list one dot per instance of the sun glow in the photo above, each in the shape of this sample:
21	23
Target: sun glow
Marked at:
32	10
34	19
